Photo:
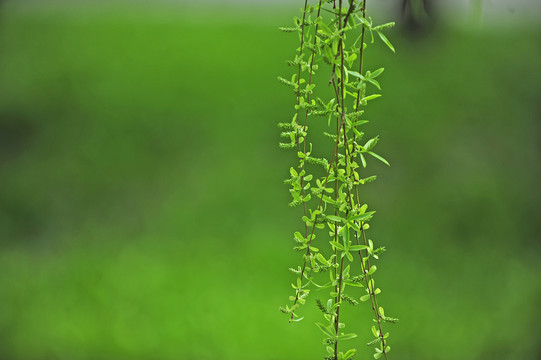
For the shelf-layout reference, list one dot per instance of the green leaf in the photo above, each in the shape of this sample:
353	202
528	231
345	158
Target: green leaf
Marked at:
347	336
371	143
371	284
371	97
356	74
362	217
328	200
363	160
299	236
328	53
368	179
380	158
334	218
376	73
386	41
357	247
345	236
337	245
322	259
324	28
324	330
365	297
349	354
350	283
354	226
330	350
374	82
360	122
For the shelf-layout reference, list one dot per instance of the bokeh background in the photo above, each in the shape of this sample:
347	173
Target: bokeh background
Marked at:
142	209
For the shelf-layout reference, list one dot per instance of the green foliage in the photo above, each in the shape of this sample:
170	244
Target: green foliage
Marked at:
94	272
332	36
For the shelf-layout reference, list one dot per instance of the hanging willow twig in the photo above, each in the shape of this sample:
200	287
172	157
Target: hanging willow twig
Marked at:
332	34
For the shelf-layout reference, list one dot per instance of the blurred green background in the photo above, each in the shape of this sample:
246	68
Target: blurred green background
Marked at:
143	213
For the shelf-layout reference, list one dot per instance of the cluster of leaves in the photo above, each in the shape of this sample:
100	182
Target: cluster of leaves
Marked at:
332	35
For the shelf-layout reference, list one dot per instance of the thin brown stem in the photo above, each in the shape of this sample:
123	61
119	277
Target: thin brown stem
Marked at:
368	278
301	48
361	53
373	298
315	219
343	118
311	71
340	94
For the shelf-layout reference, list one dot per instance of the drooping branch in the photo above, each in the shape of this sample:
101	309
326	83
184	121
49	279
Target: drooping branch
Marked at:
342	212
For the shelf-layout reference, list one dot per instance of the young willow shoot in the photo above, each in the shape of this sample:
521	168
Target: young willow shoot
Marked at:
334	36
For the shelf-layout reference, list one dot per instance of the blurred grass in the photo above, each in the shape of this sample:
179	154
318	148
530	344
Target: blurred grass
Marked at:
142	214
